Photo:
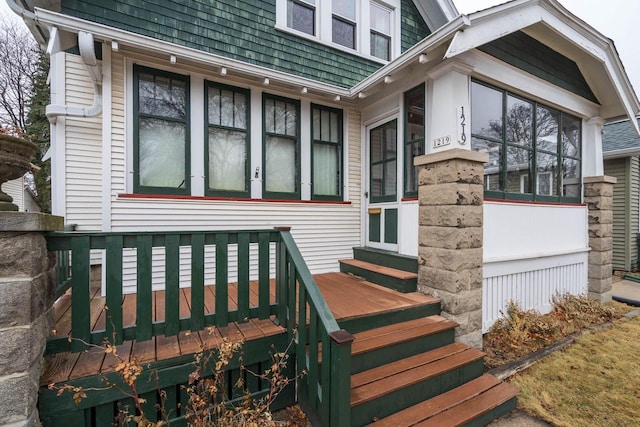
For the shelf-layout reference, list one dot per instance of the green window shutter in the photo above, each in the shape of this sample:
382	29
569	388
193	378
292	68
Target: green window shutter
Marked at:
281	147
227	136
326	153
161	149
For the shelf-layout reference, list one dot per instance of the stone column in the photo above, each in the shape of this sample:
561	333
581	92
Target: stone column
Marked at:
451	194
27	286
598	195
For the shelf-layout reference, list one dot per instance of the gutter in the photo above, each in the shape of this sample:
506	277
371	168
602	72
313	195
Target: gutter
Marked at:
88	55
617	154
29	19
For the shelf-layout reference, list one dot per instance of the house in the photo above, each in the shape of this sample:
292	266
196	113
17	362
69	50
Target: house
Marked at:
621	150
236	115
22	194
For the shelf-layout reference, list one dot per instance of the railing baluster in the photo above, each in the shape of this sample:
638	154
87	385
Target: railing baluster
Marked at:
263	275
80	295
301	347
291	297
313	357
113	277
325	379
172	284
144	306
281	281
197	282
222	286
340	342
243	276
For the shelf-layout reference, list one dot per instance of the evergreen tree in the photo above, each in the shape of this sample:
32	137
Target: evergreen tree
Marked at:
37	130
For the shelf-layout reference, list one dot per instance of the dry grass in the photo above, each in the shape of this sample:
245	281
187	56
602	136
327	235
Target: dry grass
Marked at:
592	383
521	332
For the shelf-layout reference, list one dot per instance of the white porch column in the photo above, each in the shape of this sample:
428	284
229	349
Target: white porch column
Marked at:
449	112
592	148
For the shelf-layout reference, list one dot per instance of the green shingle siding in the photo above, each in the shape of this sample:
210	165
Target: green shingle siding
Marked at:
242	30
413	28
528	54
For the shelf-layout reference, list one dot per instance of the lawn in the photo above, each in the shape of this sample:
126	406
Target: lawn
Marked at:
594	382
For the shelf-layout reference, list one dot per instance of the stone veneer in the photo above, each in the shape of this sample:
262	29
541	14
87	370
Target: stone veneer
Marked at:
451	195
27	286
598	195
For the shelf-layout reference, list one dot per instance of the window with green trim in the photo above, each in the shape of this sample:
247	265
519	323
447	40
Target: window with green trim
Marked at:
161	131
326	153
383	142
281	159
228	144
534	150
413	137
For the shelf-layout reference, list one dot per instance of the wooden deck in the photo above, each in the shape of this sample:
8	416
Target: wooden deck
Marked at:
348	297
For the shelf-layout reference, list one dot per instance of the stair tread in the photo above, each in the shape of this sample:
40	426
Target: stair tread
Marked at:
400	377
387	271
399	332
473	408
438	404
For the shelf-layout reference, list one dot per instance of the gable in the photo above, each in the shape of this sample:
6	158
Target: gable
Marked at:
243	30
528	54
413	27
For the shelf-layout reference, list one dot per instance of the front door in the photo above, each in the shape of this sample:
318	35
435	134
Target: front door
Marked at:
381	214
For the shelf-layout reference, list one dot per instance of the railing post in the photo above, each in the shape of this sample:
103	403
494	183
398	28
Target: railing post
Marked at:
340	378
281	277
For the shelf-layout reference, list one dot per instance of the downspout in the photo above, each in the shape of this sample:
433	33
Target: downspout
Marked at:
88	55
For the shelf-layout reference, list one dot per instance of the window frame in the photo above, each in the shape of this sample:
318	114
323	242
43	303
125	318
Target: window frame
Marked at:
247	93
557	180
295	195
307	5
373	32
340	151
144	189
391	197
408	142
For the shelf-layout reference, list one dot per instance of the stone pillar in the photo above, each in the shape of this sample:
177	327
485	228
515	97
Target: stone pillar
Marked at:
451	194
27	286
598	195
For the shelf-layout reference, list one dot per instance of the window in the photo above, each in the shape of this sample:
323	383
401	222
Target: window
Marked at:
343	24
383	149
534	150
161	131
326	153
301	16
380	31
281	161
227	153
413	138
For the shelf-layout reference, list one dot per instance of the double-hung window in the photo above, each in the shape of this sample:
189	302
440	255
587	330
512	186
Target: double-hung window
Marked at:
301	16
343	23
413	137
281	159
380	34
161	132
326	153
227	154
534	150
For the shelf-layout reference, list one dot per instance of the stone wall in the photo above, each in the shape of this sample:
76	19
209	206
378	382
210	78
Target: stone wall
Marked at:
451	195
27	286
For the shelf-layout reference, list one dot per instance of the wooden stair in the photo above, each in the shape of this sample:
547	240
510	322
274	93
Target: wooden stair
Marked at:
399	280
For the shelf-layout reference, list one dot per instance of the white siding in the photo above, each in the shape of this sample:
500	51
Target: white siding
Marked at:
15	189
83	152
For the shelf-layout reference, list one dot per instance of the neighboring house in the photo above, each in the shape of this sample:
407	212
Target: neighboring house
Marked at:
22	194
621	151
185	115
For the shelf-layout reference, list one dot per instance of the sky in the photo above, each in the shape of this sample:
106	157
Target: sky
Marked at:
615	19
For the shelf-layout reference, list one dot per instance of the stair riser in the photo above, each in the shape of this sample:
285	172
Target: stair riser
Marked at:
409	285
400	399
494	414
384	319
372	359
401	262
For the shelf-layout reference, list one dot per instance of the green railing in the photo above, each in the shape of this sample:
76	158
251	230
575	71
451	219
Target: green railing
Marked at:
63	273
323	350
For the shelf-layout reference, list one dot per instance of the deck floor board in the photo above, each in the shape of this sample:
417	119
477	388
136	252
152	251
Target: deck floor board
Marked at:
347	296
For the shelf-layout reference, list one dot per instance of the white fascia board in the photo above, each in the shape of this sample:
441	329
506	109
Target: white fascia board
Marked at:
411	55
106	33
436	13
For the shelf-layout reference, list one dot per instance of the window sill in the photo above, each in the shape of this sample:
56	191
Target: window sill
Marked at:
409	199
533	202
226	199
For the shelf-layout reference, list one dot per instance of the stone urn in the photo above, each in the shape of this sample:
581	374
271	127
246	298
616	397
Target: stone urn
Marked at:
15	157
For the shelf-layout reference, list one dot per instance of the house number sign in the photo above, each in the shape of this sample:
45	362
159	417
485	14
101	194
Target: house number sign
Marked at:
442	141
